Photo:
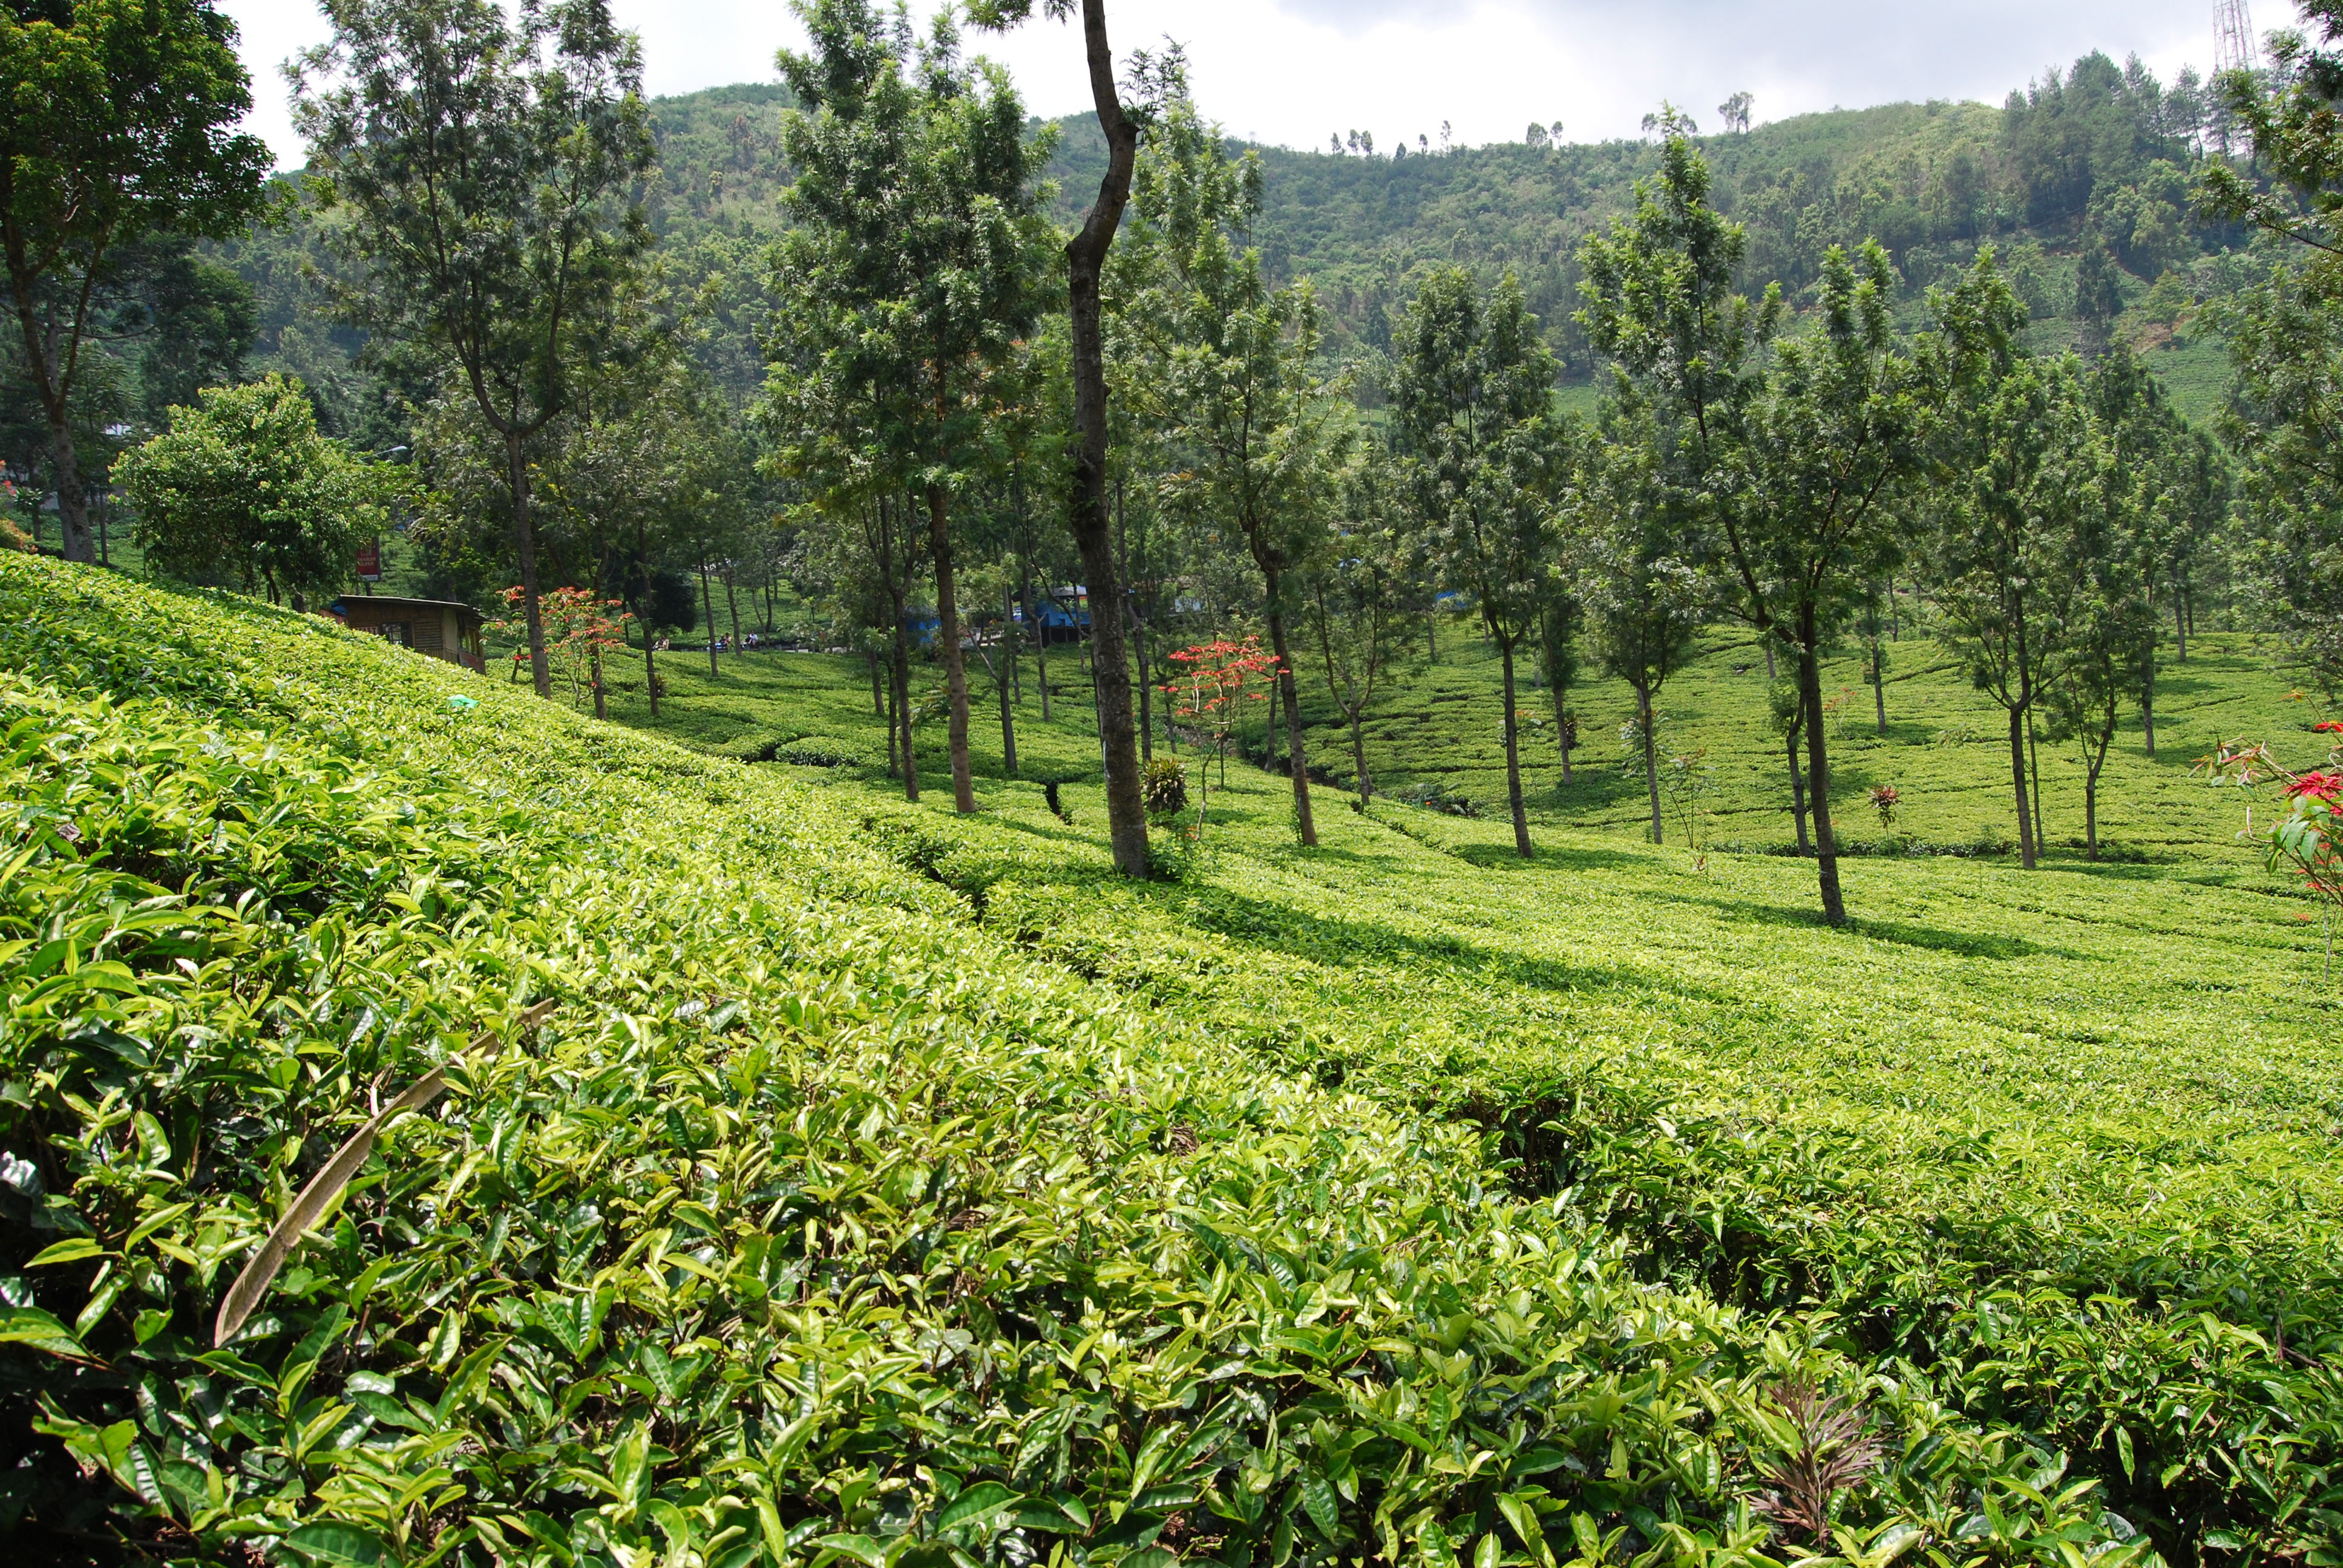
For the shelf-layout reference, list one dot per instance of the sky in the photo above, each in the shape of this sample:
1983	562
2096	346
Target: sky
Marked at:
1295	71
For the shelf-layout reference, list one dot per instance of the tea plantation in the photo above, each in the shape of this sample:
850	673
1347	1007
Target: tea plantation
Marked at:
895	1189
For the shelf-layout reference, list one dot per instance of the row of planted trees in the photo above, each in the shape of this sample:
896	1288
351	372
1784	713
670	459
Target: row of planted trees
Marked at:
1779	469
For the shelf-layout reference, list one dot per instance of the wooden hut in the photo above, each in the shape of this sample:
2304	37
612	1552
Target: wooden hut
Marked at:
439	628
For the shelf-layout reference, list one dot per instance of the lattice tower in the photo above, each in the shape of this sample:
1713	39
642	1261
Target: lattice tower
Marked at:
2234	48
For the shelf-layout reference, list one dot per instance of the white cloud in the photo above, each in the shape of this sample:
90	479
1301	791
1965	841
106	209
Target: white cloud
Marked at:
1295	70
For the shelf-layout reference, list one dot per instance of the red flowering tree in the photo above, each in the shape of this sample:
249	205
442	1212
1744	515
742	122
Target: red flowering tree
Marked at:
2303	837
1214	683
578	629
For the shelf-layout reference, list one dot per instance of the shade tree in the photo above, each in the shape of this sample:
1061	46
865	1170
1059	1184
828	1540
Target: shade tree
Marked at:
1472	406
917	261
1222	365
1357	596
117	124
1809	523
481	172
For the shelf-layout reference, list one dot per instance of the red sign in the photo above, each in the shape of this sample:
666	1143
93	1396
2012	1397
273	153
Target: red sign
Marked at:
370	561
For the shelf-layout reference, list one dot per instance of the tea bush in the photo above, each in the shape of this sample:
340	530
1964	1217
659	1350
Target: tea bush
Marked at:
818	1225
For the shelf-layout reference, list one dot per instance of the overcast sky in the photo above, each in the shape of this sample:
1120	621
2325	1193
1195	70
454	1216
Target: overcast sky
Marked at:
1293	71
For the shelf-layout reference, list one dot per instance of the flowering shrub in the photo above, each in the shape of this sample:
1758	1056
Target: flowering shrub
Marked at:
578	629
1885	800
1216	680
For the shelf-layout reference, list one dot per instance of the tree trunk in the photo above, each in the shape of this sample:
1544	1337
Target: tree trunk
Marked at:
1431	632
1290	694
2181	626
2148	704
1359	756
1895	629
732	604
903	702
602	695
1879	689
1008	714
877	702
75	543
1513	765
2091	792
2033	774
1561	730
1651	755
650	670
1798	794
525	543
1041	666
1146	694
707	610
1810	696
1009	643
955	666
1126	813
894	727
2018	777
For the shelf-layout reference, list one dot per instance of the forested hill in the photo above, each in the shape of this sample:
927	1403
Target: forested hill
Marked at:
2094	160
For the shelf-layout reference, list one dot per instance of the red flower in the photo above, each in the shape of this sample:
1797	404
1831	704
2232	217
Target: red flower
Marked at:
2322	784
2329	726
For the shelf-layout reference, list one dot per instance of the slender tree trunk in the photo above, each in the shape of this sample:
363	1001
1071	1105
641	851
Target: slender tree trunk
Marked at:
1008	642
1810	693
707	610
2018	777
732	604
650	670
1879	687
1041	667
540	673
1126	812
894	727
1431	632
1798	795
51	384
602	695
1008	716
955	666
1561	729
2091	791
903	701
1651	755
1359	755
2181	626
2034	775
1289	692
1895	629
877	702
1522	845
2147	703
1146	694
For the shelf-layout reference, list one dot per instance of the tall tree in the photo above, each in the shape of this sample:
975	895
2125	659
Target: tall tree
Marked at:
1223	364
485	168
2012	445
1472	397
1358	595
2107	627
116	122
1825	447
1090	516
1632	571
917	263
